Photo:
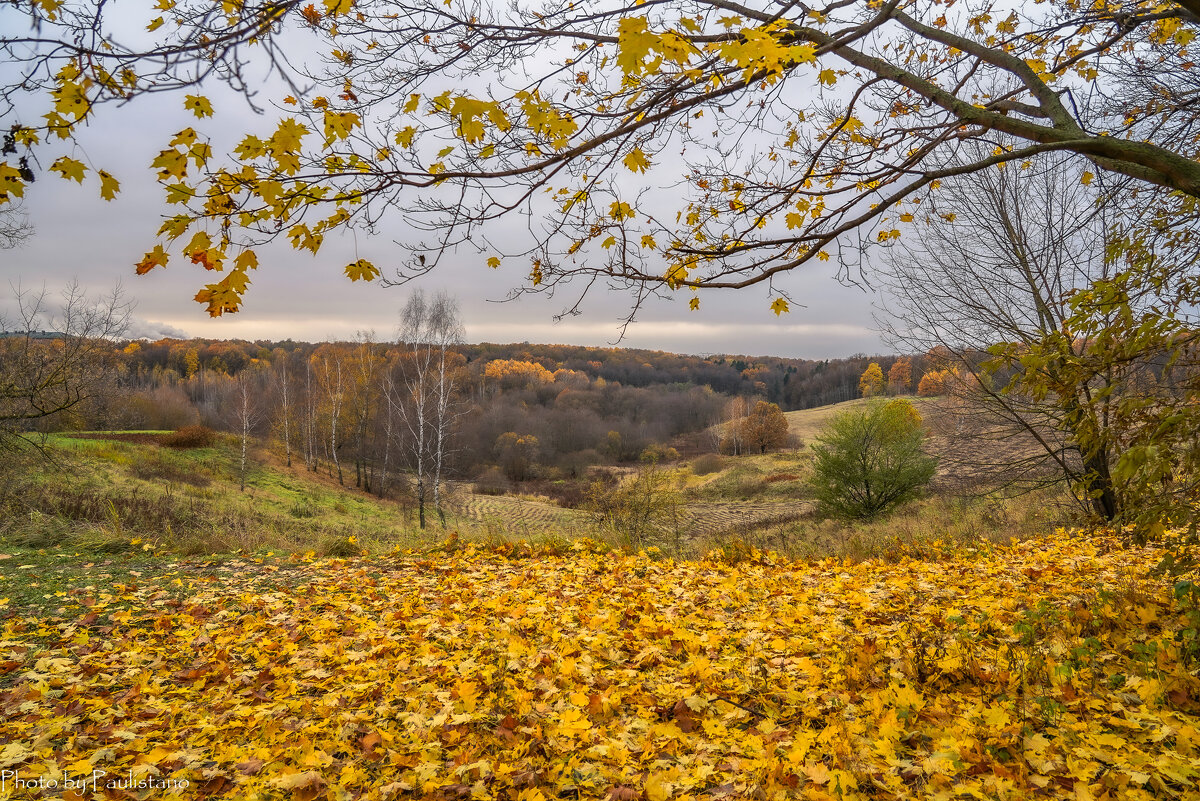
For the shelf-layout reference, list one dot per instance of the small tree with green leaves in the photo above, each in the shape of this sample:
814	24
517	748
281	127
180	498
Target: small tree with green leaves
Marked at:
870	461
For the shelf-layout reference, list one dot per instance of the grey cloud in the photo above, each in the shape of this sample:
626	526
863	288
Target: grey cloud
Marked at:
152	329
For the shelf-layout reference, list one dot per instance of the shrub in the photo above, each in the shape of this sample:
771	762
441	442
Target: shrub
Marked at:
303	508
654	453
708	463
640	509
869	462
190	437
517	455
340	545
576	463
491	482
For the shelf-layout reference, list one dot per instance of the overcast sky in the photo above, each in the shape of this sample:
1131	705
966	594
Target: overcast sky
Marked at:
297	295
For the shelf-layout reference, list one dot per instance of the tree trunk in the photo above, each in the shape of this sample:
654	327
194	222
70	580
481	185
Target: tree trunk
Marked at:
1099	483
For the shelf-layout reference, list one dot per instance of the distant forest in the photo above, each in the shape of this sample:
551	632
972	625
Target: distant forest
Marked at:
790	383
519	411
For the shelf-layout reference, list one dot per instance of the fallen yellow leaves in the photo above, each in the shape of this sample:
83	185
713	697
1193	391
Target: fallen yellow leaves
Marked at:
1046	670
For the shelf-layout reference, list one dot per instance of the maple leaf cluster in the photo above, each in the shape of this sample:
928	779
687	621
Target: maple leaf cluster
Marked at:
1049	669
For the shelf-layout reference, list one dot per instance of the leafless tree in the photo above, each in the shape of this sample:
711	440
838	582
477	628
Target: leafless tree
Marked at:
998	261
366	362
246	412
729	430
286	398
331	377
422	389
55	358
15	227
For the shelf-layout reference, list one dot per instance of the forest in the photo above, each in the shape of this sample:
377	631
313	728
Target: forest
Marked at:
335	407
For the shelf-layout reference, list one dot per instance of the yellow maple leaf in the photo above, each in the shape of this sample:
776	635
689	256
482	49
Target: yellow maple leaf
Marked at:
634	42
493	262
619	210
170	163
338	125
246	260
779	306
11	182
636	160
109	186
69	168
198	105
362	270
404	136
155	258
657	787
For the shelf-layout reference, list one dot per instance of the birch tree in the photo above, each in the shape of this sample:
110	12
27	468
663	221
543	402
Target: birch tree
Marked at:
422	390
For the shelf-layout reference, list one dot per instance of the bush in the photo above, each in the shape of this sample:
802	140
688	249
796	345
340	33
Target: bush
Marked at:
190	437
708	463
869	462
491	482
638	510
576	463
655	453
517	455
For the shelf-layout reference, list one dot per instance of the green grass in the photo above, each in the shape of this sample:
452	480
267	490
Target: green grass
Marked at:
757	477
99	495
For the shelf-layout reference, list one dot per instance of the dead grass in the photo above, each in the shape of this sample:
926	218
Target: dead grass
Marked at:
934	524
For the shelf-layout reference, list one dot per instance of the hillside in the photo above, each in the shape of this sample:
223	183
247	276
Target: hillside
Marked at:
104	490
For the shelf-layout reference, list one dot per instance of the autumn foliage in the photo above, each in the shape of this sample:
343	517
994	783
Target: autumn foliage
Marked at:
934	383
899	376
765	428
870	383
517	373
1050	669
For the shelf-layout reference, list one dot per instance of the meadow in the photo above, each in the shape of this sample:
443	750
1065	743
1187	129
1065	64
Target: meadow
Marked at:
165	633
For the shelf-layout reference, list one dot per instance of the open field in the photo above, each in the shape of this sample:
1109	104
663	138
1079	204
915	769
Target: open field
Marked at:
125	494
1050	669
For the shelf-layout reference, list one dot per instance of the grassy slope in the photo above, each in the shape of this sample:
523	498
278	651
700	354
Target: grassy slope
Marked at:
775	486
807	423
102	494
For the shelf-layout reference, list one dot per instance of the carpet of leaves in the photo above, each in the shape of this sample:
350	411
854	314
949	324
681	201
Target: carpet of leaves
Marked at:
1049	669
